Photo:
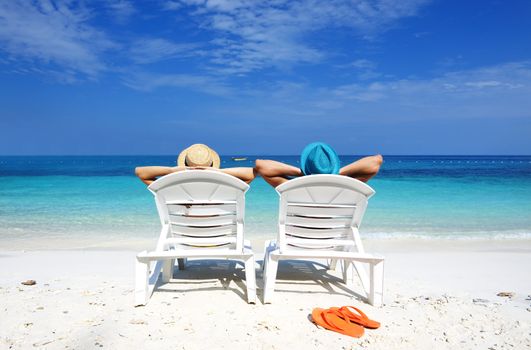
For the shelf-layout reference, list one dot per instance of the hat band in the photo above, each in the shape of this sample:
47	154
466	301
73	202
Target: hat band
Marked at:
208	164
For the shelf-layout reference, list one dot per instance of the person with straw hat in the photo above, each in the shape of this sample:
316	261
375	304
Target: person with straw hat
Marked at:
197	156
317	158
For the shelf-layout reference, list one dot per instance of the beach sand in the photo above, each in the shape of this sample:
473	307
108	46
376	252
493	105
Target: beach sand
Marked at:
438	294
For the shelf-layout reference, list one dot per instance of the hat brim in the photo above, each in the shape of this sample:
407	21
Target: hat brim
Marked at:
181	160
215	159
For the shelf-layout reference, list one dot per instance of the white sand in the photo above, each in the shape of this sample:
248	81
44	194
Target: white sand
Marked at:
439	295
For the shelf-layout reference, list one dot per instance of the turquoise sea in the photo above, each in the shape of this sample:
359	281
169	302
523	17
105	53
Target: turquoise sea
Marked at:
86	200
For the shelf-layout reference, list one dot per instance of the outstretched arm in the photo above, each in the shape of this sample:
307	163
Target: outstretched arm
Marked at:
364	168
148	174
245	174
275	173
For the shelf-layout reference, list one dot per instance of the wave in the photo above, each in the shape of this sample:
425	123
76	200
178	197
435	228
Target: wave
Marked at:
476	235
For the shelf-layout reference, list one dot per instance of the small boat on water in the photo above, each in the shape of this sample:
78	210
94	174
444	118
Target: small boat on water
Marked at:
239	159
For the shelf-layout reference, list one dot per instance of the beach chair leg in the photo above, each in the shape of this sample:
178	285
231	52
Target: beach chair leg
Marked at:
376	288
263	266
270	276
141	283
182	263
267	249
348	272
332	265
250	279
167	270
362	274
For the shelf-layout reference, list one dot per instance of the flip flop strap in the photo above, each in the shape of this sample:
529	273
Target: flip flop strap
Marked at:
327	317
341	325
328	324
346	310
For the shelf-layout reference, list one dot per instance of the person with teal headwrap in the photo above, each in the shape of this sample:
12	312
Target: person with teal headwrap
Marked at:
317	158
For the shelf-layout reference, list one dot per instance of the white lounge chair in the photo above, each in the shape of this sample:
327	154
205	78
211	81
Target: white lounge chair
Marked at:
319	217
202	215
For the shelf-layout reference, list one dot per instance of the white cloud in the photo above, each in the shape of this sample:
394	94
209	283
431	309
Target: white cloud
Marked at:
121	9
143	81
252	35
500	91
247	36
53	32
464	83
421	34
364	69
171	5
487	84
149	50
363	64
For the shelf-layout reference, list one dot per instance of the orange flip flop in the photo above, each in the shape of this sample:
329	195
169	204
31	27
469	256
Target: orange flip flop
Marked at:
358	318
330	320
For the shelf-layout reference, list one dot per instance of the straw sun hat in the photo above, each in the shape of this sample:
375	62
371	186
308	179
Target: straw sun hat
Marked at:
198	155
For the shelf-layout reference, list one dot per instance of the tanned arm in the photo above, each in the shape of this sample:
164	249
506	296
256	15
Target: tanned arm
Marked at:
148	174
275	173
364	168
245	174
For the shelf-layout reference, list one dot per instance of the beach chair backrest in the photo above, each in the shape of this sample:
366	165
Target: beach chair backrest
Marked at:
203	209
321	212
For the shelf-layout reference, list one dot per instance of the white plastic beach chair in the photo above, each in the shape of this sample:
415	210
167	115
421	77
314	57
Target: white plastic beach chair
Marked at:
202	216
319	217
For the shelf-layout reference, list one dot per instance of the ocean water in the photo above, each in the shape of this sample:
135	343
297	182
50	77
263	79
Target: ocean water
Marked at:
95	199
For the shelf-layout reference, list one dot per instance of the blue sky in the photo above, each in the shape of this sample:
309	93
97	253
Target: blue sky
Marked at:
265	77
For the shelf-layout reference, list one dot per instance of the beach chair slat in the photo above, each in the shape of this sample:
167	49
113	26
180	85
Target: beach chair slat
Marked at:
203	231
316	233
319	222
320	205
202	221
322	210
201	216
202	203
202	210
202	242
